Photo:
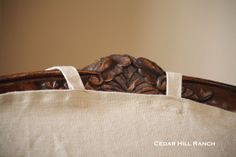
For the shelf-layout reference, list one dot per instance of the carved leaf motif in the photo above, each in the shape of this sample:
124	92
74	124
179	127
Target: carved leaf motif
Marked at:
205	95
124	73
127	74
201	95
59	84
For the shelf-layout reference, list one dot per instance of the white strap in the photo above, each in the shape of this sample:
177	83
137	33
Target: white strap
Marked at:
174	84
71	75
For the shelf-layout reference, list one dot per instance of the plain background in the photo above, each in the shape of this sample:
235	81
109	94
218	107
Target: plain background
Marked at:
193	37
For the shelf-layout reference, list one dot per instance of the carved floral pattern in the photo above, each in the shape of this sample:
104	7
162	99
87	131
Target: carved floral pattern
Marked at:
123	73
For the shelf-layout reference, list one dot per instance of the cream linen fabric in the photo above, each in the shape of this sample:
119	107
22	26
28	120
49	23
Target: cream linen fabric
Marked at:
73	123
174	84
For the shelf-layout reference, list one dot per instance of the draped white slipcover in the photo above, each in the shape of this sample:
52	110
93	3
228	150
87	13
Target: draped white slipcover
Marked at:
78	122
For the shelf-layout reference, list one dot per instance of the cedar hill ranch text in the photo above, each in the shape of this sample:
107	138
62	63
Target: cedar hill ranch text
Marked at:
184	143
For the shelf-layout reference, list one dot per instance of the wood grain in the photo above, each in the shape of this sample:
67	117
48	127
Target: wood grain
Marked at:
124	73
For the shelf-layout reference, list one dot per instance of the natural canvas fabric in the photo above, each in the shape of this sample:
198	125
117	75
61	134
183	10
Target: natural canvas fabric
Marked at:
72	123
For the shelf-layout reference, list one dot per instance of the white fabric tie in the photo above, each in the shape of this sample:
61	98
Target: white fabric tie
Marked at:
71	75
174	84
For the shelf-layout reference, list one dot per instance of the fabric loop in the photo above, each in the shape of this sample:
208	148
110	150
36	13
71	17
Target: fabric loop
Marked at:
174	84
71	75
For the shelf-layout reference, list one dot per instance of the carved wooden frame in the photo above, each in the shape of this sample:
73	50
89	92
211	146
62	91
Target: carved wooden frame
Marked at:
123	73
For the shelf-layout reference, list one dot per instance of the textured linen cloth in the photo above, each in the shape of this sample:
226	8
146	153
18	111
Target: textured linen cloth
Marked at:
72	123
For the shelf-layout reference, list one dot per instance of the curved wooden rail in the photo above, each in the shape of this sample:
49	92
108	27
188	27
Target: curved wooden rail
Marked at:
123	73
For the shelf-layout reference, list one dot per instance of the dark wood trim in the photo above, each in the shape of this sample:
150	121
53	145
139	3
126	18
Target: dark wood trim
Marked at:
123	73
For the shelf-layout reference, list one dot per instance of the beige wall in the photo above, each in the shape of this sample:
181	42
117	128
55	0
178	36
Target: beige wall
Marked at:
194	37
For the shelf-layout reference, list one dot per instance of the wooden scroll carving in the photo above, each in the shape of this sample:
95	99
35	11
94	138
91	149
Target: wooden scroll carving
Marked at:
123	73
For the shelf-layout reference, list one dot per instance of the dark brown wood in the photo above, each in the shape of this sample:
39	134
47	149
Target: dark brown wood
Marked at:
123	73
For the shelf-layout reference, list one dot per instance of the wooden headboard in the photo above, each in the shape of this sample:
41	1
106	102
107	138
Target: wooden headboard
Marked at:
124	73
